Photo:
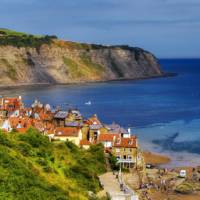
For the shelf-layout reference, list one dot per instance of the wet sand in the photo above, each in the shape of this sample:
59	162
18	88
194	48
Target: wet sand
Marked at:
155	159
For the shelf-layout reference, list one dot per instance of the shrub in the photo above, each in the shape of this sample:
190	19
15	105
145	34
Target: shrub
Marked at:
113	162
25	149
47	169
34	138
42	162
24	40
52	159
4	140
71	146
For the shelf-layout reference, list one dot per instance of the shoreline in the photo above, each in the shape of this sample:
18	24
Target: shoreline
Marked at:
18	85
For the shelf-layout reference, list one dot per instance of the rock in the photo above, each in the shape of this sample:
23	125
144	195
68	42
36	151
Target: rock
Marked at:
184	188
64	62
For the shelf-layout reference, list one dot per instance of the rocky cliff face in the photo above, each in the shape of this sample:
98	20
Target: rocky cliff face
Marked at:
70	62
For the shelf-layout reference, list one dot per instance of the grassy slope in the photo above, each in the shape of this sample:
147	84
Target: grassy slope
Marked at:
83	67
18	39
33	168
11	32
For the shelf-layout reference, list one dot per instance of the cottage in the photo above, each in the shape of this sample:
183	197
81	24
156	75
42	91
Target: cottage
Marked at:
20	124
107	139
125	150
60	118
76	115
11	104
68	134
117	129
95	128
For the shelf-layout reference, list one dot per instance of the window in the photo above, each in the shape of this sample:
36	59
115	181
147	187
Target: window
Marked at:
130	150
124	149
117	150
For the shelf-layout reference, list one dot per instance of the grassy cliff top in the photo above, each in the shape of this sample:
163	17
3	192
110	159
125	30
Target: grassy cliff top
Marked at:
20	39
33	168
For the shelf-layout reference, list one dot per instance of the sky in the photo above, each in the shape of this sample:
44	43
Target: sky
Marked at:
167	28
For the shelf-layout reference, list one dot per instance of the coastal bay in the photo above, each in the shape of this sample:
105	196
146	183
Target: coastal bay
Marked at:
154	109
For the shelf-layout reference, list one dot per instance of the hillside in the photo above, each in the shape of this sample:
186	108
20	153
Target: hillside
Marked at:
29	59
33	168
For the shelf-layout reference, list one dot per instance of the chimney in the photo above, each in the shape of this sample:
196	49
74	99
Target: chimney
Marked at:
114	138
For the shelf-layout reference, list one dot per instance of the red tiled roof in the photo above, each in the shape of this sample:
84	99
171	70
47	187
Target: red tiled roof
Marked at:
10	103
46	115
67	131
107	137
126	142
24	122
93	120
84	142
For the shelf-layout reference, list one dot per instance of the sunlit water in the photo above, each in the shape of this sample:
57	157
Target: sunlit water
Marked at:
155	109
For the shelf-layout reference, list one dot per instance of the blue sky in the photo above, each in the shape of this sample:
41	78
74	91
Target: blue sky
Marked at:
168	28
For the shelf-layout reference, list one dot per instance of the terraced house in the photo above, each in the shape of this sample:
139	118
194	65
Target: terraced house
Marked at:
69	126
126	151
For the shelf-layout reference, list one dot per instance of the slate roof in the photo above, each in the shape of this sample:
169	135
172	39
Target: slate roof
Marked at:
115	128
74	124
61	115
95	126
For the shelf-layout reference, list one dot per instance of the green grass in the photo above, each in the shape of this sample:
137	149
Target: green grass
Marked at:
74	68
19	39
83	67
86	60
5	31
32	168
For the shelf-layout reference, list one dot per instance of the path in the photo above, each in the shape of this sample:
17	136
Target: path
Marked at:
112	187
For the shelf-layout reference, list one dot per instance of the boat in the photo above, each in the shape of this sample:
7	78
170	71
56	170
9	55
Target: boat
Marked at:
88	103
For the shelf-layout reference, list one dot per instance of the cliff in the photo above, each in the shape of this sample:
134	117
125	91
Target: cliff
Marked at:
26	59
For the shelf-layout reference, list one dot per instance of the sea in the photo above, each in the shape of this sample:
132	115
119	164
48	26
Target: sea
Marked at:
164	113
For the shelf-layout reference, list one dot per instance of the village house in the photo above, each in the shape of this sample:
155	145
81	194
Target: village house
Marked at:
107	139
117	129
68	134
74	115
95	127
70	126
19	124
59	118
125	150
11	104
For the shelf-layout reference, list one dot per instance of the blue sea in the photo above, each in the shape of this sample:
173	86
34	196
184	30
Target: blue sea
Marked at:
164	112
